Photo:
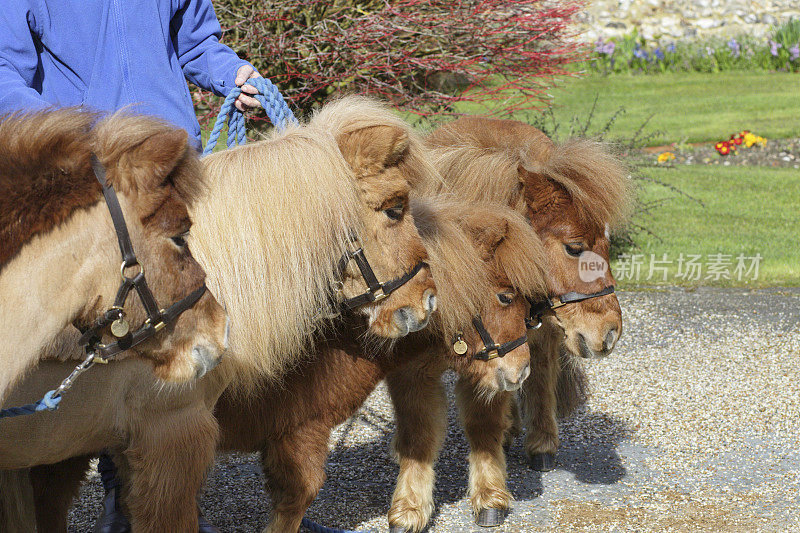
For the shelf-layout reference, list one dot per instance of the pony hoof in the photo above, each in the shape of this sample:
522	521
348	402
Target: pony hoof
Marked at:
399	529
491	517
542	462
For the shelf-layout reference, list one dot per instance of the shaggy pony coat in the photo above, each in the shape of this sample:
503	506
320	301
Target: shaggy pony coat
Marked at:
59	258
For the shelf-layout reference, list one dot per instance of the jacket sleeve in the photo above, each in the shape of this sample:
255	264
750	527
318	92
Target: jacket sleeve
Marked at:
205	61
18	59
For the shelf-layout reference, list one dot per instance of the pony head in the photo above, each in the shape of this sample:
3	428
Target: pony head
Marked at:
572	194
386	160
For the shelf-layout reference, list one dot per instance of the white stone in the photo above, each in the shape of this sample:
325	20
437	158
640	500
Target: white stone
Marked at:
707	23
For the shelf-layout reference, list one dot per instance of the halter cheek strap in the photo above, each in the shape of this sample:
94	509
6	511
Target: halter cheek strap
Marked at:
492	350
376	290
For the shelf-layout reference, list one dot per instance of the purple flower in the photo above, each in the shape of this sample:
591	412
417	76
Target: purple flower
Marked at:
794	52
734	46
671	48
598	45
659	54
773	47
609	48
709	51
640	53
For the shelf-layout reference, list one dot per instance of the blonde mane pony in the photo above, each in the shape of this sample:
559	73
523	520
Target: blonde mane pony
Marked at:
480	157
274	222
352	113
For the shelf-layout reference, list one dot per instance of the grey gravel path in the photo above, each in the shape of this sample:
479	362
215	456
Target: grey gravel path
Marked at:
692	425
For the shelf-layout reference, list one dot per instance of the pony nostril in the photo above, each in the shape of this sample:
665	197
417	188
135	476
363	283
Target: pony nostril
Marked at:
205	360
430	301
611	338
525	373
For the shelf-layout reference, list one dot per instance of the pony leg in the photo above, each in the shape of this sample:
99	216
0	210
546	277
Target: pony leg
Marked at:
420	408
167	461
539	406
17	506
54	489
295	470
485	424
515	424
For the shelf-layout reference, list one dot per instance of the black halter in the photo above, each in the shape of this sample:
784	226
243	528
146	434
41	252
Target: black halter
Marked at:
538	308
377	291
492	350
157	318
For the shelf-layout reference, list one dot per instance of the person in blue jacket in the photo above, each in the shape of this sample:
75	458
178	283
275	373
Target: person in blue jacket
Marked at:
106	55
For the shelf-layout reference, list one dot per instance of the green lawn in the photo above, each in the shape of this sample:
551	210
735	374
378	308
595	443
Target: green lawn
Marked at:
748	210
696	107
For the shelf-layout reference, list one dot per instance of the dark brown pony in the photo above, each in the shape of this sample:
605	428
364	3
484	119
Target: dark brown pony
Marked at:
59	256
573	194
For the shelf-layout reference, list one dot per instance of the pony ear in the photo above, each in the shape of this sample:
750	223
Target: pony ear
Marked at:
148	166
369	150
163	151
489	237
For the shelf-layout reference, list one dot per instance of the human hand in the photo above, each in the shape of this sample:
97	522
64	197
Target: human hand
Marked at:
245	102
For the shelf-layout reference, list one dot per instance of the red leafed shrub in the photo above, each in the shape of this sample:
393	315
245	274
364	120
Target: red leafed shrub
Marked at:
419	55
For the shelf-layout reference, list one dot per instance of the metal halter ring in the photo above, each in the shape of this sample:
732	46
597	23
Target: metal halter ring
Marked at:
125	265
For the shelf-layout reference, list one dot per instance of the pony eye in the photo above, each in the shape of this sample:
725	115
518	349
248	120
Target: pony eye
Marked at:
179	240
395	212
574	249
505	298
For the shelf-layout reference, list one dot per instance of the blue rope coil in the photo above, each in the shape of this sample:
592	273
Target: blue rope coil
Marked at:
316	528
270	99
48	403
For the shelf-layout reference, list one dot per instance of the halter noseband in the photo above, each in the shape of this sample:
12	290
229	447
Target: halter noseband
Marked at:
492	350
157	318
376	291
538	308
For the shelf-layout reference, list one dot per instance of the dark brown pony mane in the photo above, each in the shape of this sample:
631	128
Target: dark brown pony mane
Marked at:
46	174
482	158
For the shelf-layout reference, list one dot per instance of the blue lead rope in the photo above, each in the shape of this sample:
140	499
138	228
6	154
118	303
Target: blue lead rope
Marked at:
270	99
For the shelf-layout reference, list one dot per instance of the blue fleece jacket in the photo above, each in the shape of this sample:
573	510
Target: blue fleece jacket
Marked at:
108	54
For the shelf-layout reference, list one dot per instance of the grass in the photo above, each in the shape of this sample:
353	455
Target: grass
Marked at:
691	107
748	210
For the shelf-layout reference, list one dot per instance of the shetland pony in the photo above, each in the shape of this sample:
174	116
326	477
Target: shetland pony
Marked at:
476	255
573	193
342	187
59	256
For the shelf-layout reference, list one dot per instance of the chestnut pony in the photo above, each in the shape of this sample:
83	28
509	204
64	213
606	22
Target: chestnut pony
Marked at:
474	255
572	193
59	255
300	198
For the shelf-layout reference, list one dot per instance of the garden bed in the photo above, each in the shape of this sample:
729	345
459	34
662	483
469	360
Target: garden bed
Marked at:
777	153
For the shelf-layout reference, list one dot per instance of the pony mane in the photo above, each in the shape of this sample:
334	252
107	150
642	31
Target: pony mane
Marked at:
480	159
275	220
352	113
135	165
463	270
46	173
461	275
